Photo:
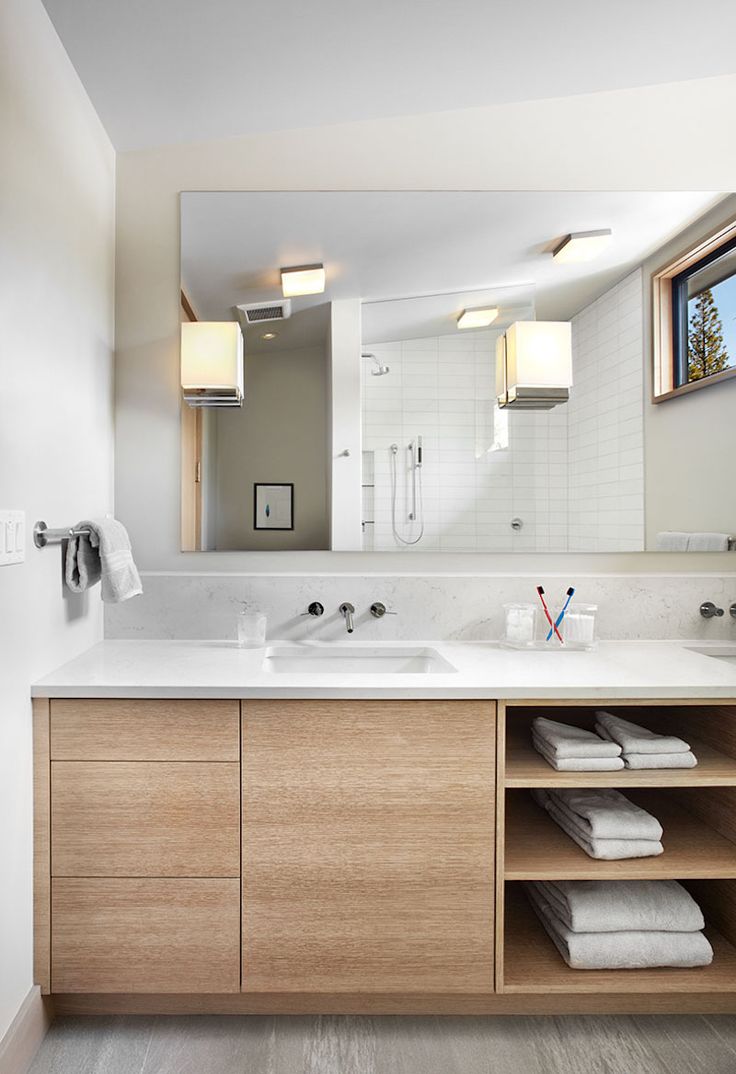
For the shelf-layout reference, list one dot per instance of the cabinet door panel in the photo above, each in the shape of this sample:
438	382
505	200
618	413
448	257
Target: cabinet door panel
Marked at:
368	846
111	729
119	935
116	818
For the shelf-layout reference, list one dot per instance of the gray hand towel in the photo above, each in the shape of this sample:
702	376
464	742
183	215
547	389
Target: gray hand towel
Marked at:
601	849
635	739
623	905
605	814
565	741
577	764
660	760
620	950
606	849
105	555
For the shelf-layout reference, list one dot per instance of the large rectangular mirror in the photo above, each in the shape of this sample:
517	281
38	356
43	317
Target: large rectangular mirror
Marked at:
457	371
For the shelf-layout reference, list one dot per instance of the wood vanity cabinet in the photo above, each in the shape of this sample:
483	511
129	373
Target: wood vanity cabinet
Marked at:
367	860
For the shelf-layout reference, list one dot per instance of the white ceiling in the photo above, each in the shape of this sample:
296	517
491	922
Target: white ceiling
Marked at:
387	246
167	71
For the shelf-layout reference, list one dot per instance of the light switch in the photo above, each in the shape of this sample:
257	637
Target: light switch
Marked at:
12	537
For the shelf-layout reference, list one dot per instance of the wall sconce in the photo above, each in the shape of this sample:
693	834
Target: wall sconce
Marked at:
212	363
534	365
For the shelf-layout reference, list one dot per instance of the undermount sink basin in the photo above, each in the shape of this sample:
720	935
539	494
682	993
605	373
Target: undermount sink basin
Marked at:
355	660
728	655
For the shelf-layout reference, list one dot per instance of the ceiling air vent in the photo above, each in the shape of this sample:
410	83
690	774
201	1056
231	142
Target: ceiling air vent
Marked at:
258	312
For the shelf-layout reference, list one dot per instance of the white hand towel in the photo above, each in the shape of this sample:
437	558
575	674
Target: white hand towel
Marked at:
620	950
623	905
604	849
672	541
708	542
606	814
565	740
577	764
660	760
106	554
635	739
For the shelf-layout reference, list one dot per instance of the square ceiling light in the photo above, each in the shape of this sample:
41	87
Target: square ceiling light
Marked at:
303	280
477	318
581	246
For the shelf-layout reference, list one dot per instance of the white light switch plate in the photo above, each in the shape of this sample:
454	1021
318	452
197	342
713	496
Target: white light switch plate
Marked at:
12	537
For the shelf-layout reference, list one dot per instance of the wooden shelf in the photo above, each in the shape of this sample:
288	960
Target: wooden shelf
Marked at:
527	768
537	849
533	964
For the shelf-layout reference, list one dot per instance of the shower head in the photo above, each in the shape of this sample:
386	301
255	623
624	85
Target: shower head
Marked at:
380	370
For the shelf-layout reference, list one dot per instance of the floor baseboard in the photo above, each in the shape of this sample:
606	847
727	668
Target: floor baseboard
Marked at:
25	1033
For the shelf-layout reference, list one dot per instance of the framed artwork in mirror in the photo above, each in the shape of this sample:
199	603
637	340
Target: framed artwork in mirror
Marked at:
273	506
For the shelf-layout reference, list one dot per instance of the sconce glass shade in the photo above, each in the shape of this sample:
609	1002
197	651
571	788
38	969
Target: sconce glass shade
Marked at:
212	363
534	365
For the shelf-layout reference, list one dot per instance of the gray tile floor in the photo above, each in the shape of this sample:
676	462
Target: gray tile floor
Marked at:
390	1045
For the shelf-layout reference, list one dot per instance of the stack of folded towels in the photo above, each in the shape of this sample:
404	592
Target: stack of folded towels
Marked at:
641	748
572	749
604	823
617	744
621	924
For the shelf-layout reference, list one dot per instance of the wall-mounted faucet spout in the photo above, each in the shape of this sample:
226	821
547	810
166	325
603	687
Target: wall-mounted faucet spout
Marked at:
347	611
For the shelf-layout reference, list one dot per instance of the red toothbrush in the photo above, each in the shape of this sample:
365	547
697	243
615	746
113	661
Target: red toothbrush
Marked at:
550	620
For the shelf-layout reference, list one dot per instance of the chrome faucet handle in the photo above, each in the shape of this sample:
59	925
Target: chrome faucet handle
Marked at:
732	610
708	610
347	611
315	608
379	609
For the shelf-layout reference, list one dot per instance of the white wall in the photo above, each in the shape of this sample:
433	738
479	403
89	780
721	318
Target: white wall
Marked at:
605	424
621	140
56	328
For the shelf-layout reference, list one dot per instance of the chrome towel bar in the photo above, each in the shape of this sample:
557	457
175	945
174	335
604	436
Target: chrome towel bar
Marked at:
42	535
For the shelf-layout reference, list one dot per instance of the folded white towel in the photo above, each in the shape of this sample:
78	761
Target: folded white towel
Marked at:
610	847
635	739
605	814
644	949
606	849
565	740
672	541
105	555
660	760
623	905
577	764
709	542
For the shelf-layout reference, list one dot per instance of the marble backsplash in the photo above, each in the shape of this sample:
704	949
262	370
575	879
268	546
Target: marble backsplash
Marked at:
440	607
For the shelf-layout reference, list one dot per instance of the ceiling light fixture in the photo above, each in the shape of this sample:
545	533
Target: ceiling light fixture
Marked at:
534	365
480	317
303	280
581	246
269	335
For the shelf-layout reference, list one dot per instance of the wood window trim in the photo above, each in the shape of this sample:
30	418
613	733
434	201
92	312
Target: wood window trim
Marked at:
663	363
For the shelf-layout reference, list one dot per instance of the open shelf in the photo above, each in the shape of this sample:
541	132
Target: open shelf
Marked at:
537	849
533	964
526	768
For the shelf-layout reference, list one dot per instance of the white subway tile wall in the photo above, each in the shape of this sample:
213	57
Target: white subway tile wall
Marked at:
484	469
605	431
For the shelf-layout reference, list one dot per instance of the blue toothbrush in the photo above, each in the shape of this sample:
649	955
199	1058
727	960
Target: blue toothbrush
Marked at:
561	616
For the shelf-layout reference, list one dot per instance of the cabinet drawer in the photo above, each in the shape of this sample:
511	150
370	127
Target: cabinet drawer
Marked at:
114	730
145	935
140	818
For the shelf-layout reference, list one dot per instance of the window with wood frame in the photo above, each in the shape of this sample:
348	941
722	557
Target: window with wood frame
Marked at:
695	317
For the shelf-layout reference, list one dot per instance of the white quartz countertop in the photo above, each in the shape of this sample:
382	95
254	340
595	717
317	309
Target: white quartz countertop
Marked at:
210	669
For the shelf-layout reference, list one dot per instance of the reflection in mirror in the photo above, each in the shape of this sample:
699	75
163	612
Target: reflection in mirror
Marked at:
448	371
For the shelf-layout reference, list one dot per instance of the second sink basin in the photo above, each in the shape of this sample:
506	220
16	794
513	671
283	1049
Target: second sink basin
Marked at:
355	660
